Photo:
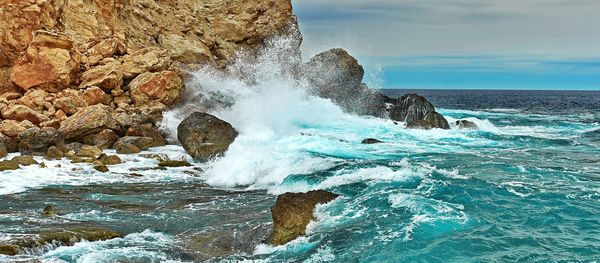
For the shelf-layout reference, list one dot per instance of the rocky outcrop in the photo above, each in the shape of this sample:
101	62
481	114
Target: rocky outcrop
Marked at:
465	124
336	75
293	211
417	112
204	136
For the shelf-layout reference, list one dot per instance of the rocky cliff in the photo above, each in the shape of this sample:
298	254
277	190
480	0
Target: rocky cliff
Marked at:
58	57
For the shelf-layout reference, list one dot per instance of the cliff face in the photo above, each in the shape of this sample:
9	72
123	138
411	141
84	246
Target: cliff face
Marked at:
60	56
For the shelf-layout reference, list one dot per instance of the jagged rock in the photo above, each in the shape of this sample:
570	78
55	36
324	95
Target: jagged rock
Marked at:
149	59
336	75
54	153
143	143
93	96
89	151
411	107
430	121
126	148
147	130
204	136
89	120
108	76
49	62
165	87
173	163
370	141
293	211
63	237
38	141
24	160
103	140
465	124
20	113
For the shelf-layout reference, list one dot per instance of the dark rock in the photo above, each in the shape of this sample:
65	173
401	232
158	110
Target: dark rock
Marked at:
37	141
143	143
336	75
174	163
103	140
465	124
293	211
126	148
101	168
411	107
147	130
11	144
431	120
3	150
370	141
204	136
62	237
49	211
78	159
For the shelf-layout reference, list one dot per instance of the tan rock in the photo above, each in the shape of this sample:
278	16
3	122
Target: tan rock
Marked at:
149	59
49	62
11	128
126	148
21	113
94	95
165	87
104	49
108	76
147	130
69	101
34	99
89	120
186	49
89	151
103	140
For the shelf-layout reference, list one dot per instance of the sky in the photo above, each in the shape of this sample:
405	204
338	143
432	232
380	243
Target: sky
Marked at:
461	44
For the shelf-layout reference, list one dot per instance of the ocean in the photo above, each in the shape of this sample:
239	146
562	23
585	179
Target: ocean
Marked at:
524	187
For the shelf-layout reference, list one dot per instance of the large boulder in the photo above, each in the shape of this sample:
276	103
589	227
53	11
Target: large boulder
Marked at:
50	62
164	87
293	211
430	121
417	112
36	141
336	75
21	113
465	124
205	136
89	120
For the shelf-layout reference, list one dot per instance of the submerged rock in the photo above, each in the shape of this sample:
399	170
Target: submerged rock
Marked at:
371	141
293	211
8	165
89	151
204	136
174	163
465	124
54	153
110	160
59	237
101	168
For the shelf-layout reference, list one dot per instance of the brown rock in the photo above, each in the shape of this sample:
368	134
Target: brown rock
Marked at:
204	136
465	124
103	140
21	113
93	96
24	160
108	76
11	128
101	168
147	130
37	141
89	120
54	153
143	143
49	62
126	148
149	59
110	160
69	101
3	150
7	165
293	211
165	87
104	49
34	99
89	151
11	144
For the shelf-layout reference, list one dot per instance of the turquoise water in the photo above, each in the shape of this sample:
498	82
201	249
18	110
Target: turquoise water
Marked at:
523	188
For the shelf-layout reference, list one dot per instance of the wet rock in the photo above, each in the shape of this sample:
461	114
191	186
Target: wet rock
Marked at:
24	160
143	143
49	211
147	130
103	140
411	107
465	124
174	163
7	165
54	153
293	211
370	141
204	136
89	151
126	148
111	160
430	121
37	141
62	237
89	120
101	168
164	87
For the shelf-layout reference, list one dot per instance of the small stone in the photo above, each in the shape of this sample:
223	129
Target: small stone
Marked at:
101	168
111	160
143	143
370	141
